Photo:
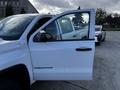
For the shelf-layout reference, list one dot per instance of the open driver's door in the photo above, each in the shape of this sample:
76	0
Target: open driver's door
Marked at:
69	54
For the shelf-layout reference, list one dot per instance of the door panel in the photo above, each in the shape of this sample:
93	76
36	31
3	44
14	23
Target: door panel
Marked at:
65	58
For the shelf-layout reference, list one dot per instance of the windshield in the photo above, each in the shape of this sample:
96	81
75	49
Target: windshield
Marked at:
12	28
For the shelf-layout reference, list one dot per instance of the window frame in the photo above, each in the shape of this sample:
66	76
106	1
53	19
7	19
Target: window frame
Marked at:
90	35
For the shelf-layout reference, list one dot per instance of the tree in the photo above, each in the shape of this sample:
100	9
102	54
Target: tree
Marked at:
100	16
109	19
9	10
113	20
78	19
116	20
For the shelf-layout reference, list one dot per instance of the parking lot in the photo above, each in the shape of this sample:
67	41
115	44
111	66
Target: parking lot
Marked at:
106	74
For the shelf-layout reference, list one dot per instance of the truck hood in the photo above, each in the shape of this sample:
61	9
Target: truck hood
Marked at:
6	46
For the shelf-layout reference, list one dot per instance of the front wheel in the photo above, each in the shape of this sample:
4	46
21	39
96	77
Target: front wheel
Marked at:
98	40
98	43
6	84
104	37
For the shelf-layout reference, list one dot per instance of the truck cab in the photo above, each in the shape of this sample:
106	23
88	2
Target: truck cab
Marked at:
47	47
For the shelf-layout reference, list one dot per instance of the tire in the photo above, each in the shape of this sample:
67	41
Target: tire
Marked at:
104	37
99	40
98	43
7	84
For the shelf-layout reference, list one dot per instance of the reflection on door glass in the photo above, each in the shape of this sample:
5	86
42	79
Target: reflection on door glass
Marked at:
52	29
74	26
66	25
80	21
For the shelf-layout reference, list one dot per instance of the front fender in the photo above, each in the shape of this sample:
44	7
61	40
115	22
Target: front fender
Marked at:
16	54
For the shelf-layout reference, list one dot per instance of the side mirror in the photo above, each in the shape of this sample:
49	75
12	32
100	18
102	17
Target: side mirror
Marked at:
42	36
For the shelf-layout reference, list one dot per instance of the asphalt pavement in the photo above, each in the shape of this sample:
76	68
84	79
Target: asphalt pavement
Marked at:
106	74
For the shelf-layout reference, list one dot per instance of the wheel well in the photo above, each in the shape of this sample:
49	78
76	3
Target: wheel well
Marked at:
18	73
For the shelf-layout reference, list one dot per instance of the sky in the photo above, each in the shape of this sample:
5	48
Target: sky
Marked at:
57	6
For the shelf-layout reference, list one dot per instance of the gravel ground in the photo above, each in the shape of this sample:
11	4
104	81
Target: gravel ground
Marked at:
106	70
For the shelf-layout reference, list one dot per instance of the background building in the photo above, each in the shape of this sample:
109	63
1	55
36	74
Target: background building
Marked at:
10	7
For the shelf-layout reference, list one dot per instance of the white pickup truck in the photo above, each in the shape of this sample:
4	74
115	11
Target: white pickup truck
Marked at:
46	47
100	35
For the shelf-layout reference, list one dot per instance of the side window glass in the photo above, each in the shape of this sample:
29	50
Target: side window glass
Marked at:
38	25
49	33
52	30
65	25
74	26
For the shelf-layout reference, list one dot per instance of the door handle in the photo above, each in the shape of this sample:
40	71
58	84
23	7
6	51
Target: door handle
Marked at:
83	49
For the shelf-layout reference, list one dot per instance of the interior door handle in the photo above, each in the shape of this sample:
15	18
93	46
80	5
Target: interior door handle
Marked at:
83	49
